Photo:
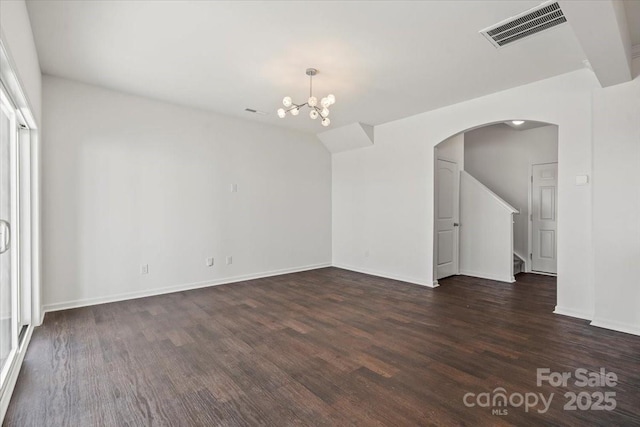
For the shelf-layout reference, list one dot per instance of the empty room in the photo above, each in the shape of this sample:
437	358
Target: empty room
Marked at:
319	213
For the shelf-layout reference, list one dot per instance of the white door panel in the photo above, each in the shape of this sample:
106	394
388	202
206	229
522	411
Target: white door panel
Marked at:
447	205
544	212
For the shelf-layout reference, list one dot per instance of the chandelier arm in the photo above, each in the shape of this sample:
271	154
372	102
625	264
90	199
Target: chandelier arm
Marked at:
294	106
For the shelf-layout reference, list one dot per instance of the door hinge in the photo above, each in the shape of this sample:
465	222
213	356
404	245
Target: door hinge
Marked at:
532	179
530	256
530	217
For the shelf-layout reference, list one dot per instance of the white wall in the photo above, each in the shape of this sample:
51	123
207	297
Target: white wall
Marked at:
383	195
452	149
18	39
131	181
500	157
486	232
616	206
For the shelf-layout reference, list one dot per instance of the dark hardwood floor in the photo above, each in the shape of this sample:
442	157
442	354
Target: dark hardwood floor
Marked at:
325	347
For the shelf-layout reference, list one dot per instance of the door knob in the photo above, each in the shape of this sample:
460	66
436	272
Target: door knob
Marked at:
455	224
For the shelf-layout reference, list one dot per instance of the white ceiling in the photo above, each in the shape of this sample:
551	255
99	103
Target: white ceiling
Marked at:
382	60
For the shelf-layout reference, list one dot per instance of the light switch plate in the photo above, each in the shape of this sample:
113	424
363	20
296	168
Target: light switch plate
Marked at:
210	262
582	179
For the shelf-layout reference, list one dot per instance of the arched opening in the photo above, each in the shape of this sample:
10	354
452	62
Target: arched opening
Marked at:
496	201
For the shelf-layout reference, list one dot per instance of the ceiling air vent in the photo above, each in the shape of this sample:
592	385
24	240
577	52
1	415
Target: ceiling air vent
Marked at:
533	21
251	110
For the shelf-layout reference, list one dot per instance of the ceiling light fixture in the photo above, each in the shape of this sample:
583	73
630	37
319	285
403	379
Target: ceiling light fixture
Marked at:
517	122
317	110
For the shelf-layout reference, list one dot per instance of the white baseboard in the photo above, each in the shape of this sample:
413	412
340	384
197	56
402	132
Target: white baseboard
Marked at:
387	275
616	326
573	313
506	279
13	375
599	322
543	273
177	288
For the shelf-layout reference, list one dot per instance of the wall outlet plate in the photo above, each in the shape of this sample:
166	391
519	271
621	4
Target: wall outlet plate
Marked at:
144	269
229	260
210	262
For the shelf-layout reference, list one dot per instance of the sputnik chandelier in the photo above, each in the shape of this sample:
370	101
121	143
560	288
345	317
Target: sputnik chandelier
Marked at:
321	110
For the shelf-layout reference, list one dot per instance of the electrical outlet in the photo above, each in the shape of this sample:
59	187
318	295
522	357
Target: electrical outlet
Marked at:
234	188
210	262
144	269
229	260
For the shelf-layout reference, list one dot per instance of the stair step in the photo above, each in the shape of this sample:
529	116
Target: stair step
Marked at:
518	265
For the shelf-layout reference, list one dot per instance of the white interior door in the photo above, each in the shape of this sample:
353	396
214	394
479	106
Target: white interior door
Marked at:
544	218
447	214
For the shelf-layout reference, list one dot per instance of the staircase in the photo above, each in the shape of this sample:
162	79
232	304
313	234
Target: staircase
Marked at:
486	232
518	265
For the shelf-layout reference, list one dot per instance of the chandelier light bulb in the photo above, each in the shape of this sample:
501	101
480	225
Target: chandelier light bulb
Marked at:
281	113
287	101
312	101
332	99
325	122
313	114
324	112
325	102
295	111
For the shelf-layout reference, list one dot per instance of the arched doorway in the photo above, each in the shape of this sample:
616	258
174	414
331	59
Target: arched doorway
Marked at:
495	204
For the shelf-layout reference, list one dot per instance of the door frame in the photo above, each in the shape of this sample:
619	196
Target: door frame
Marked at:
456	230
29	249
13	225
529	260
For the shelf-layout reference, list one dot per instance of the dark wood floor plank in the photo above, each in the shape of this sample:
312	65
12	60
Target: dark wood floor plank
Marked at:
327	347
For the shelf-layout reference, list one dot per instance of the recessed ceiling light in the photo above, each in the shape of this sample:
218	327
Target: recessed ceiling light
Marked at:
517	122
